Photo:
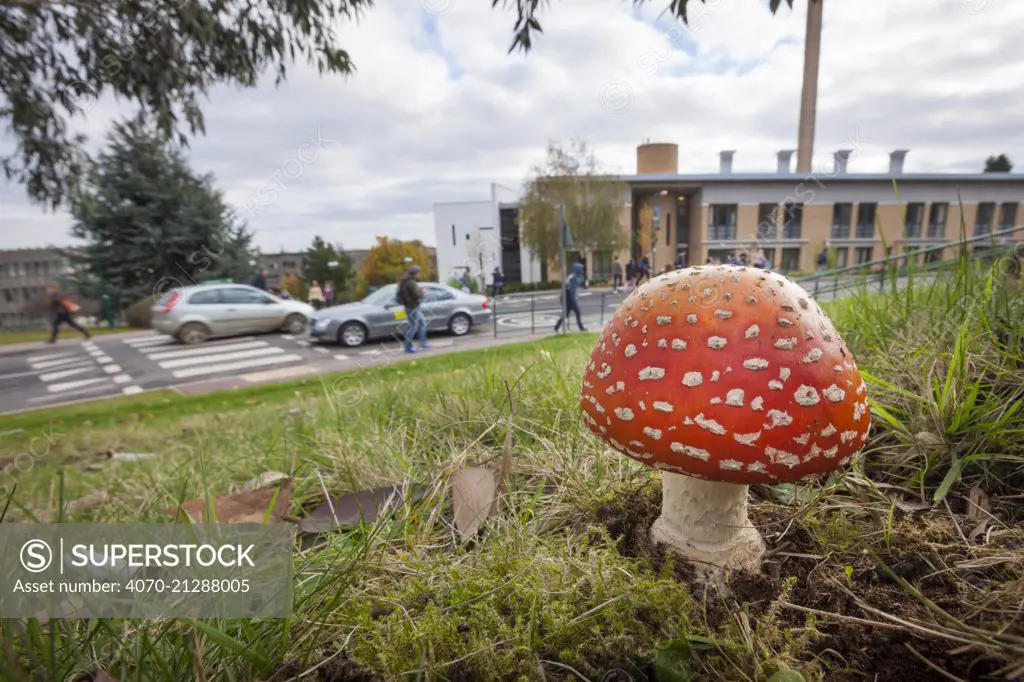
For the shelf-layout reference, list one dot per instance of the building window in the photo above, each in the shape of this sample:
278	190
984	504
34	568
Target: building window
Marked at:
668	229
937	220
790	260
1008	215
842	219
769	255
767	221
9	295
933	256
914	220
602	261
793	219
843	255
722	222
866	221
983	220
861	255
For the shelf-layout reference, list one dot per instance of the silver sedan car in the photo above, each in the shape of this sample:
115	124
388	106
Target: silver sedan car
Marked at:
196	313
380	315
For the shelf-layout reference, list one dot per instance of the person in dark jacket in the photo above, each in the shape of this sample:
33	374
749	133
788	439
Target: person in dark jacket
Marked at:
62	308
497	282
260	281
570	302
410	296
645	270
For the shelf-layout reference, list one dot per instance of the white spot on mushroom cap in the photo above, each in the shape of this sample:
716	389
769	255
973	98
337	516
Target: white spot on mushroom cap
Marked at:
630	351
734	397
664	319
858	411
755	364
786	344
757	404
778	418
829	430
678	344
714	376
624	413
831	452
752	332
654	434
775	385
756	467
651	374
785	322
746	438
709	425
846	436
807	396
834	393
716	401
813	356
691	451
662	343
717	342
606	369
787	459
662	406
643	405
784	373
723	314
693	379
730	465
691	318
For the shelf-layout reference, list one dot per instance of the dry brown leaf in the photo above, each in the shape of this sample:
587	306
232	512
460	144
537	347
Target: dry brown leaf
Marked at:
911	506
91	501
977	504
473	493
246	507
265	480
365	506
978	530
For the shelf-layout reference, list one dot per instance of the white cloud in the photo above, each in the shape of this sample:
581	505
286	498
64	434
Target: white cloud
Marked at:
438	107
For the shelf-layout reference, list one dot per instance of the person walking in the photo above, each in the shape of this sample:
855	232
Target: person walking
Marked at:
63	307
497	281
409	295
568	299
616	275
823	260
316	295
645	270
328	294
630	273
760	260
260	281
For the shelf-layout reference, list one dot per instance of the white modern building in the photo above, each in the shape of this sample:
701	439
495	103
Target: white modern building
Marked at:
480	235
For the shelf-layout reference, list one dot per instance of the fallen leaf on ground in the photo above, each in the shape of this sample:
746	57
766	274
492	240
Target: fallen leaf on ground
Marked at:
473	493
977	504
89	502
246	507
911	506
365	505
929	439
978	530
264	480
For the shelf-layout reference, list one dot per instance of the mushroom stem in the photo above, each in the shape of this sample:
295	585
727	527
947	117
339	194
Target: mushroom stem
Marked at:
706	522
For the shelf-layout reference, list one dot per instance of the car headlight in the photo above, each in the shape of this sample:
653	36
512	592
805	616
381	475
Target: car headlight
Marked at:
320	325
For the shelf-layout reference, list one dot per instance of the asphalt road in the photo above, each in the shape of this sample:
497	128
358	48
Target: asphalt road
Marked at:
72	370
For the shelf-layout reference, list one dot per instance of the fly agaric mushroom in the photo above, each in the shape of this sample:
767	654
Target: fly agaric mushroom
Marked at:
722	377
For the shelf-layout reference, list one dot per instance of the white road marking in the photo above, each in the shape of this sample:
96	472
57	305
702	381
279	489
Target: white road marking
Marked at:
205	350
341	358
288	336
232	366
131	390
51	356
53	376
66	394
207	359
321	350
67	362
71	385
112	369
149	340
302	343
122	379
283	373
104	360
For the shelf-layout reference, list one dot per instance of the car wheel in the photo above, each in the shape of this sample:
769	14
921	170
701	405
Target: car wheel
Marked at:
460	324
193	333
352	334
295	324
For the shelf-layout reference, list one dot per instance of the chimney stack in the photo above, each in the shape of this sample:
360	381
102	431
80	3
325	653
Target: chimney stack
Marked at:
842	158
726	161
785	156
896	161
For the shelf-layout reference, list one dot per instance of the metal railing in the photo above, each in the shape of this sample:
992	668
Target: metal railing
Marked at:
843	278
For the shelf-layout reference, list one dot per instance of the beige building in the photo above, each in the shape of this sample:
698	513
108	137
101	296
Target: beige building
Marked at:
792	216
24	276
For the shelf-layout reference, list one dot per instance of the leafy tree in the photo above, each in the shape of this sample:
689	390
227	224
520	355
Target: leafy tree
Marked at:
998	164
385	262
527	22
163	57
150	223
317	265
295	286
593	200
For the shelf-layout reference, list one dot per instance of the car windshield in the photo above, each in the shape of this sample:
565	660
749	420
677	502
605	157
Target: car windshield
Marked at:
382	296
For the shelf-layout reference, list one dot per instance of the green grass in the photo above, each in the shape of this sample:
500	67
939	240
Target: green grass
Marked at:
563	583
31	335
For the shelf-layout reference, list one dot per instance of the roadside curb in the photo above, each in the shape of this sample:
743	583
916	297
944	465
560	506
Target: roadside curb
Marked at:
27	346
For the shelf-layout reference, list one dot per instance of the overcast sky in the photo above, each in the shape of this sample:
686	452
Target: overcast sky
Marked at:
438	108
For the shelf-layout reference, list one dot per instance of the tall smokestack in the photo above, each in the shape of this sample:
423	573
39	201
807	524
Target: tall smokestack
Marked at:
809	94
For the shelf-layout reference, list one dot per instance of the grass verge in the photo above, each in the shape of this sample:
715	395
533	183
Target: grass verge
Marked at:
32	335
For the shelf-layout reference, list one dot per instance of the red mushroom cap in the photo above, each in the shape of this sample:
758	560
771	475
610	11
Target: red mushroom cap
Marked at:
727	373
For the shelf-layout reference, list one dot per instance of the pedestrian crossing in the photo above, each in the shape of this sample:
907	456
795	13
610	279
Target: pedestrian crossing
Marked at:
216	357
83	370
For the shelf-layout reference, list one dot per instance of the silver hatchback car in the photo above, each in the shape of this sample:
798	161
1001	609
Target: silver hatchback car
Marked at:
380	315
196	313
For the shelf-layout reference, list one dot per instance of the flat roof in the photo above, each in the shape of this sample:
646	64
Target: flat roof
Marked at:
822	176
